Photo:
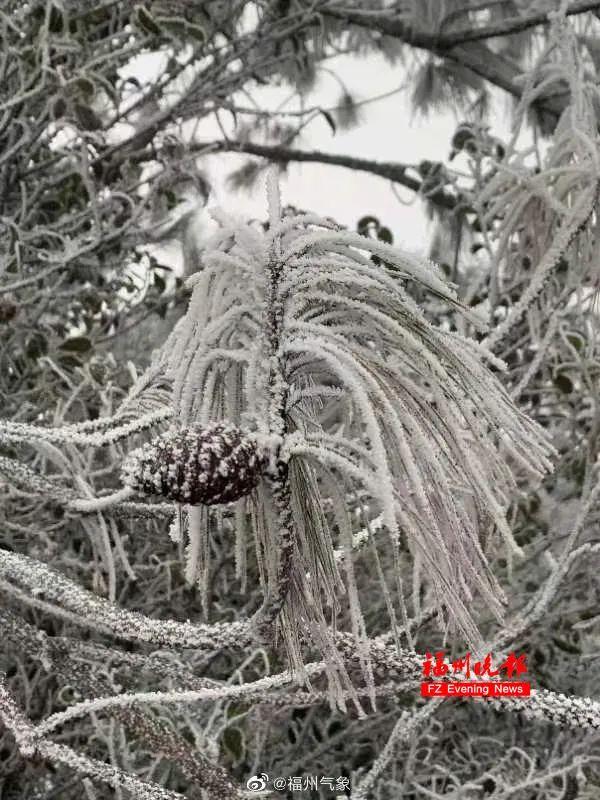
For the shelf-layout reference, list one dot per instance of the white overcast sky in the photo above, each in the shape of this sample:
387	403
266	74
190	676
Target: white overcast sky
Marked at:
388	131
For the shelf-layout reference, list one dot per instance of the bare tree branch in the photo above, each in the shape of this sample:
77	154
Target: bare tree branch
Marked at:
392	170
506	27
464	47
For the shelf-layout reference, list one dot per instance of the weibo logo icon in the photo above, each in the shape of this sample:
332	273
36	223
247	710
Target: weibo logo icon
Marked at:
257	782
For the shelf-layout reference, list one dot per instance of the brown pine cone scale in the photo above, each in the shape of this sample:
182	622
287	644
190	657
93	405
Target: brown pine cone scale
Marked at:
197	466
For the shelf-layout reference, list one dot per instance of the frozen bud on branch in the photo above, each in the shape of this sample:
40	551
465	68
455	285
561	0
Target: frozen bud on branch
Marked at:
216	464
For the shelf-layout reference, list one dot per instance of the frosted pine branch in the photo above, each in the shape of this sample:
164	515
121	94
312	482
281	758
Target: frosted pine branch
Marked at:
318	322
42	587
248	691
564	711
105	773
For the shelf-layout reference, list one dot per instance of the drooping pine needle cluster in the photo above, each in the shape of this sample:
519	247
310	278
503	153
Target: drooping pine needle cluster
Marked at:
295	335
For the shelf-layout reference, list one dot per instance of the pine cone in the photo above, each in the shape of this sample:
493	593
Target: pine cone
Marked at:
197	465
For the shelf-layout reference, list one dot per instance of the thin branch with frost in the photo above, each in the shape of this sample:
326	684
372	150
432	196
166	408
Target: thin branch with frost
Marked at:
405	727
95	434
90	505
538	606
41	587
30	481
31	745
247	691
577	220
